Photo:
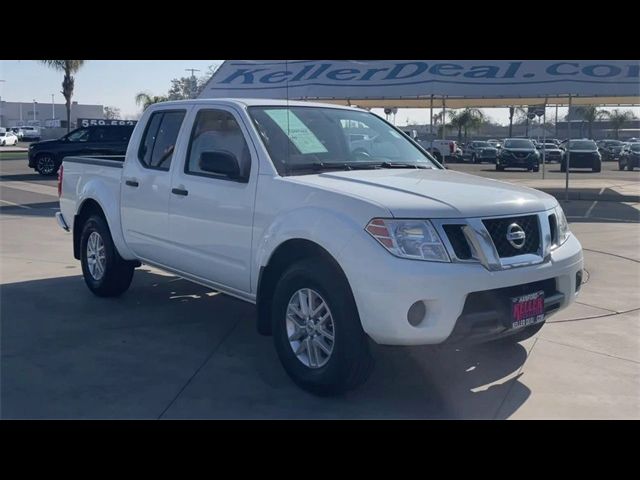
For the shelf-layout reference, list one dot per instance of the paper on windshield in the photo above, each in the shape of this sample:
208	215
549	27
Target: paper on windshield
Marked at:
297	131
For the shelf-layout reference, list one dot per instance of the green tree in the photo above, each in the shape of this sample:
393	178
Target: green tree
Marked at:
184	88
111	112
69	68
618	118
465	120
590	114
146	99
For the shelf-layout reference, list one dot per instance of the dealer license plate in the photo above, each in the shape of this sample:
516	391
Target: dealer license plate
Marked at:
527	309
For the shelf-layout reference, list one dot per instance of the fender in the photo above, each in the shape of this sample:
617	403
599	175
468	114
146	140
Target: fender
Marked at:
96	190
324	226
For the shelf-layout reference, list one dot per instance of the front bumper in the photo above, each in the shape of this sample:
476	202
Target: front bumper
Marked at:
385	287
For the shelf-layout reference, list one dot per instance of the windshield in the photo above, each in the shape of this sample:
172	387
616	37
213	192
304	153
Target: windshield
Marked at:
481	144
582	145
518	143
612	143
635	147
316	138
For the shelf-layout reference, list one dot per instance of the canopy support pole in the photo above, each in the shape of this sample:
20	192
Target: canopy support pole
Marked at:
444	120
568	162
544	137
431	117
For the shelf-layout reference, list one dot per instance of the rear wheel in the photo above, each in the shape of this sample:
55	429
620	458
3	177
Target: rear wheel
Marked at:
46	164
105	272
499	168
630	166
317	331
597	167
621	166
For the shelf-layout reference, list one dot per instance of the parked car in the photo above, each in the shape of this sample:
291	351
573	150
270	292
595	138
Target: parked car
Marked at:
336	248
630	158
46	157
610	149
518	153
8	138
444	150
583	154
479	151
552	152
30	133
18	132
495	143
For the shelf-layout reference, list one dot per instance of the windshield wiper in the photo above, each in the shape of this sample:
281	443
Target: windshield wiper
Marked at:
318	166
401	165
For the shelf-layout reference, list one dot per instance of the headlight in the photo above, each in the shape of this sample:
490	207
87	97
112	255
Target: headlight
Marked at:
563	225
415	239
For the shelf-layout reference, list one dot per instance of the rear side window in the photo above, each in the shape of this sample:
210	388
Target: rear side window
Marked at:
159	139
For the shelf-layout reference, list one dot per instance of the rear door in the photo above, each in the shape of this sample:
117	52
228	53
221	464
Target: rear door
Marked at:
146	186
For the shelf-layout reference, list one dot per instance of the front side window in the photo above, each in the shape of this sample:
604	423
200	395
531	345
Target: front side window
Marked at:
80	135
159	139
217	131
303	139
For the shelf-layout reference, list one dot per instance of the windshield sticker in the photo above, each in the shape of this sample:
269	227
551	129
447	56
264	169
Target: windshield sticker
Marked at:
298	132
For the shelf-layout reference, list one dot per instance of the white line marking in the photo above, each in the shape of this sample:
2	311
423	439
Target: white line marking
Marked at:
15	204
586	215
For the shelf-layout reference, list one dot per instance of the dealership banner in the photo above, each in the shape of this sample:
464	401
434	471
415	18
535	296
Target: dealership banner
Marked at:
398	79
87	122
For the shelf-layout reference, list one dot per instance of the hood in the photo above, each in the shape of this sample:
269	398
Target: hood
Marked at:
432	193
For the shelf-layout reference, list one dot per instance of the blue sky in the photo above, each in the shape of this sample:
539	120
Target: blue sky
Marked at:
116	82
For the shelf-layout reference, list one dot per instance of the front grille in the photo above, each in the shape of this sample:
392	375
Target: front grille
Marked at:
458	241
553	226
497	228
521	154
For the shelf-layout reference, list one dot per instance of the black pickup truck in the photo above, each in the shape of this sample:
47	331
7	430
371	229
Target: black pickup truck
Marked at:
110	139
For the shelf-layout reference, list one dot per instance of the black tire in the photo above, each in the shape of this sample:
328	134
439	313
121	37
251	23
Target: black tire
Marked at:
46	164
499	168
621	166
563	168
536	169
118	272
597	167
474	159
630	167
350	361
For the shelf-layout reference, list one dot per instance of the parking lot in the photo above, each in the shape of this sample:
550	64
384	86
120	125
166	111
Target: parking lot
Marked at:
171	349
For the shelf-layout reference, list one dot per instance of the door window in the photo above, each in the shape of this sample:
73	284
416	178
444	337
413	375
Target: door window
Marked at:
216	130
159	139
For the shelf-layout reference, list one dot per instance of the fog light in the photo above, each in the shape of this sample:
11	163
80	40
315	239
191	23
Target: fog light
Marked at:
416	313
578	280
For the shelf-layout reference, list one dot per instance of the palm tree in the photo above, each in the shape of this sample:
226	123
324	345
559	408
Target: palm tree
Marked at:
69	67
591	113
518	112
473	119
145	99
456	120
618	118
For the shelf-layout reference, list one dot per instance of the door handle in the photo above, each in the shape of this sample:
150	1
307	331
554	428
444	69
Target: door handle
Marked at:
180	191
131	183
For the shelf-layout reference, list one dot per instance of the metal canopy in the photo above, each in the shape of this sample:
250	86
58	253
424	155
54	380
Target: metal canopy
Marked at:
413	83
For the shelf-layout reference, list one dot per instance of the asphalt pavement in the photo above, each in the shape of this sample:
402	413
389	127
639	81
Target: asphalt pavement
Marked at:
171	349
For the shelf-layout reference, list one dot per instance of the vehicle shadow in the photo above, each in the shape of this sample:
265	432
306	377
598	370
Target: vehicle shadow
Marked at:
26	177
172	349
41	209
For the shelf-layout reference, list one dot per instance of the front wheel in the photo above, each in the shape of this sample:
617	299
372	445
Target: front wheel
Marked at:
105	272
46	165
499	168
597	167
317	331
621	166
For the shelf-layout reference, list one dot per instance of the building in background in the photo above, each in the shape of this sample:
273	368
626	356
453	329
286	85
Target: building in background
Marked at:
46	115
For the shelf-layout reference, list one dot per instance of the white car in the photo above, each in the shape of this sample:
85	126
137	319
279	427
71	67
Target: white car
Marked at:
339	238
8	138
31	133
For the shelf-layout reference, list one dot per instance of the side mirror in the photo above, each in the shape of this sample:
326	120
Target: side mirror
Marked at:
221	163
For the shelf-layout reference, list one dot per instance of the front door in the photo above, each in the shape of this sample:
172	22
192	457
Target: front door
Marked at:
211	215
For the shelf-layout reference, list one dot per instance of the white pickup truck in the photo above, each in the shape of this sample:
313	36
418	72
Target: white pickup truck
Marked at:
281	205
